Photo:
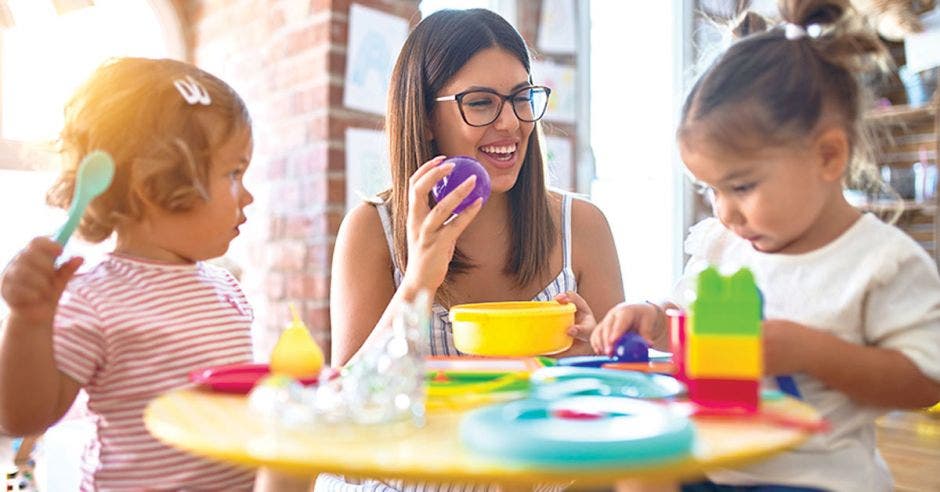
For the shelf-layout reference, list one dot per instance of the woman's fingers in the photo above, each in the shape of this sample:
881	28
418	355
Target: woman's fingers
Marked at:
445	208
464	218
427	167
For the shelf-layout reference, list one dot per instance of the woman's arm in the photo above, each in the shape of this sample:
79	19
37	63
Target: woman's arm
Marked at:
872	375
361	281
594	260
362	294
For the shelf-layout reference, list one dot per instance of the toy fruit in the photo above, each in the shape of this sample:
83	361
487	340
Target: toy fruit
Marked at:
296	354
631	347
464	167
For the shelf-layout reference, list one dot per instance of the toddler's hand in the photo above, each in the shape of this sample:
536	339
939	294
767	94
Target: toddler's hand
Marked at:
32	285
786	345
643	319
584	322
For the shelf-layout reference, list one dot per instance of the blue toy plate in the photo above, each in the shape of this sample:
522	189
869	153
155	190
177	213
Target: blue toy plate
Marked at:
585	361
579	431
555	382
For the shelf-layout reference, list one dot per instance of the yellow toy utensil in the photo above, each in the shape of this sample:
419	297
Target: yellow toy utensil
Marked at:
296	354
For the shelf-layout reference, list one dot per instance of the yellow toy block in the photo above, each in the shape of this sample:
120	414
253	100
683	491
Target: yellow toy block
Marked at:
724	356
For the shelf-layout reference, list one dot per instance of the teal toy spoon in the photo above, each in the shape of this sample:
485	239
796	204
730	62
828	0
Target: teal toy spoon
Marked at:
93	177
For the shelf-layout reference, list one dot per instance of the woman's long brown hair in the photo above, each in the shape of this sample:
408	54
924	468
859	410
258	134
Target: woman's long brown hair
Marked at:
438	47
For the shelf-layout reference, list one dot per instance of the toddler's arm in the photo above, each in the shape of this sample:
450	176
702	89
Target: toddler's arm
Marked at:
33	393
873	375
647	319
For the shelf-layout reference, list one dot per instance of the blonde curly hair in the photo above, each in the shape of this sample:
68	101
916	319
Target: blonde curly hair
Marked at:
161	144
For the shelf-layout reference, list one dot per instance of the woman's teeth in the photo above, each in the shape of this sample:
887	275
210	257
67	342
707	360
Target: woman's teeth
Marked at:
499	152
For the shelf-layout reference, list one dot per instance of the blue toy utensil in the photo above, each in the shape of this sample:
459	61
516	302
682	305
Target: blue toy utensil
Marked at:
92	178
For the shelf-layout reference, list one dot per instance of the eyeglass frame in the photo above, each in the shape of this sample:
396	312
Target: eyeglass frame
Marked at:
458	98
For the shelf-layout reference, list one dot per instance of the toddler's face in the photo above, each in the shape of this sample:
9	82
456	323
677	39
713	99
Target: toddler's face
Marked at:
773	197
206	230
215	223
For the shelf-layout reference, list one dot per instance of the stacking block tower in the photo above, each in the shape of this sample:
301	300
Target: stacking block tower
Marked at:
723	355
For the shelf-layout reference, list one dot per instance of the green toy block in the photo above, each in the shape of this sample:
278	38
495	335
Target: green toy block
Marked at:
726	305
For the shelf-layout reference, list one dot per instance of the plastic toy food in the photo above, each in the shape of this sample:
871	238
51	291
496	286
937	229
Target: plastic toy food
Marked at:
631	347
296	354
464	167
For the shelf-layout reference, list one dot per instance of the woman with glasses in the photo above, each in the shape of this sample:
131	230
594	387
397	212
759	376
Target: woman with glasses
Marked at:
462	86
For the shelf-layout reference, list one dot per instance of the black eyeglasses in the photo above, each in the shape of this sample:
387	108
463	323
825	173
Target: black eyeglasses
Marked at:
480	107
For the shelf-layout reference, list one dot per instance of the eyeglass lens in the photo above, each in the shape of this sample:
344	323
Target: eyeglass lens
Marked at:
482	108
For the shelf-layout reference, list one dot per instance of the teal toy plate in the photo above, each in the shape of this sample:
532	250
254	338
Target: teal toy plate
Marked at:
579	431
550	383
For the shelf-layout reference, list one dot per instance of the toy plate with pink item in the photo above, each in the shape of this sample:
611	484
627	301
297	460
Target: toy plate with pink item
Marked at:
241	378
579	431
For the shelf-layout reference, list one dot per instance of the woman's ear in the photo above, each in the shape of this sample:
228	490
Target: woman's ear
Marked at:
831	150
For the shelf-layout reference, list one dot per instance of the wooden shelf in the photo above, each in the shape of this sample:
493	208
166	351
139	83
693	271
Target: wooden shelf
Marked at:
907	206
901	114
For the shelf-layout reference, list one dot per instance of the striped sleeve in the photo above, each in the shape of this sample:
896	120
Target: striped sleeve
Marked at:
77	339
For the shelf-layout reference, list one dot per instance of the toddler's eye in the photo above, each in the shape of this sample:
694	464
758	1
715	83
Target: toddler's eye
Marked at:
744	188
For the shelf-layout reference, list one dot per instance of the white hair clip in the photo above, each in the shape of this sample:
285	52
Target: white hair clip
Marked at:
192	91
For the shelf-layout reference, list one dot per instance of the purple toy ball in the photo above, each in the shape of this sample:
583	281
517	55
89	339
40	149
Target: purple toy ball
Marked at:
464	167
631	348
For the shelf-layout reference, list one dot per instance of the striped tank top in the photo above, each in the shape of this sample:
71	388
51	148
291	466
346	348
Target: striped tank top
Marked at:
441	337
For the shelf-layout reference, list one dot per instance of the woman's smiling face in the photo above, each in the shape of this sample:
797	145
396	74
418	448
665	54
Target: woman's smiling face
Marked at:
500	146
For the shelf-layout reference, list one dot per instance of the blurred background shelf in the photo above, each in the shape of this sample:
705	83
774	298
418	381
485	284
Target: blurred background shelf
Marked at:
903	135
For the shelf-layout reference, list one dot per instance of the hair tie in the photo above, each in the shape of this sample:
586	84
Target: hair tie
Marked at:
793	32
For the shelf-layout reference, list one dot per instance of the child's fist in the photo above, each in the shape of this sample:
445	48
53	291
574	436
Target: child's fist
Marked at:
644	319
31	284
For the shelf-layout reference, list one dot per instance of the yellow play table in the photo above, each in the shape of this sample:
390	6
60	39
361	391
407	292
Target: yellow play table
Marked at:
220	427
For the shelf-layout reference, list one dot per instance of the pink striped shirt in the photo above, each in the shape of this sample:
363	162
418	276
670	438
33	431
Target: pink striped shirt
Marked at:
129	330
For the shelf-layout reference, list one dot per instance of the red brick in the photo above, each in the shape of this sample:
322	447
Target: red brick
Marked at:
286	255
274	287
319	257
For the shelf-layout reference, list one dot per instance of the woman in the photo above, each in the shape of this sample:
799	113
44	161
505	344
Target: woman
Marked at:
462	86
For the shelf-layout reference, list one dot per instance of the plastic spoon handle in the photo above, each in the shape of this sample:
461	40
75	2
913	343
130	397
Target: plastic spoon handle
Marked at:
93	177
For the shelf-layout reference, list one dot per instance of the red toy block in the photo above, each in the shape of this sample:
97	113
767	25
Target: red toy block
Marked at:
725	394
677	339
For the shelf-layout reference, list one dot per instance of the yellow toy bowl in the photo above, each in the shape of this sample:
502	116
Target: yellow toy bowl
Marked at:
512	329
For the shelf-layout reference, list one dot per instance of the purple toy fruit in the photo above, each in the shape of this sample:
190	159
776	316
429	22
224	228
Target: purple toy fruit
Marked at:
464	167
631	348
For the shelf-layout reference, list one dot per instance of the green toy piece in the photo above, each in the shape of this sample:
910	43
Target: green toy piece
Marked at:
726	305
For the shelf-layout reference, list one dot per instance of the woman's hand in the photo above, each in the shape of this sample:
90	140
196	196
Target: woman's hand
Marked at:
584	324
432	234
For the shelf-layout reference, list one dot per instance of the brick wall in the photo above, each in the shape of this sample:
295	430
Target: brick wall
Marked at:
287	59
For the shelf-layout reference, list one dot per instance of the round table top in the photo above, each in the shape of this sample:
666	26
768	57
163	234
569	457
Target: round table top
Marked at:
220	426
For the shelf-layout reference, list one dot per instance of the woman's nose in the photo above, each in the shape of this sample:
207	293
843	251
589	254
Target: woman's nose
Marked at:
507	119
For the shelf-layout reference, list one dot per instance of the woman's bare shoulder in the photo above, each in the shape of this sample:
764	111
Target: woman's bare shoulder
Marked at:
362	231
586	216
